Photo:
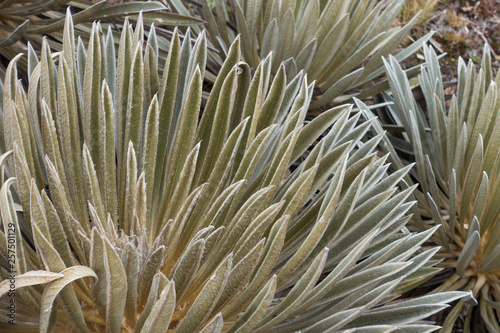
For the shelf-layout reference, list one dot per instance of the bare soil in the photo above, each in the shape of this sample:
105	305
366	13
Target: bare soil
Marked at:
462	28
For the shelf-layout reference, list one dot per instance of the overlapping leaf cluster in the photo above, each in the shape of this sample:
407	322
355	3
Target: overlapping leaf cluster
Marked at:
137	208
25	22
338	43
456	150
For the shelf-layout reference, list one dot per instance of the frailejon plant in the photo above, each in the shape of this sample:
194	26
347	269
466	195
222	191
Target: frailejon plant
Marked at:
455	144
133	208
25	23
338	43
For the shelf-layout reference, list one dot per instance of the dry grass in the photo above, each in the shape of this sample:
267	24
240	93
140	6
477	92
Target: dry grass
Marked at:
454	19
412	7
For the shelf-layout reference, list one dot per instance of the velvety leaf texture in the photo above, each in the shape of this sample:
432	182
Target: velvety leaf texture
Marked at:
454	143
149	201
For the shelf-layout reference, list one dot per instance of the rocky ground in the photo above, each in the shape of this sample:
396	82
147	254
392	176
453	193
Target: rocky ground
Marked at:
461	29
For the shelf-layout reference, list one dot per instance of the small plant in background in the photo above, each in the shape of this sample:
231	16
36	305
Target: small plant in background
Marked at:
29	21
338	43
456	150
411	8
135	211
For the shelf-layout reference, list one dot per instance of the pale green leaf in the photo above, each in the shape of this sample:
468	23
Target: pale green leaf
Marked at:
55	287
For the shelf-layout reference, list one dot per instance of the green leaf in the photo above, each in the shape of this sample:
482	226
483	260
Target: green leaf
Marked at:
275	97
260	275
129	8
472	178
16	35
107	148
239	275
215	325
468	252
220	125
91	94
186	130
29	279
335	321
205	302
298	293
130	261
406	312
168	18
256	310
187	266
161	314
55	287
315	128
